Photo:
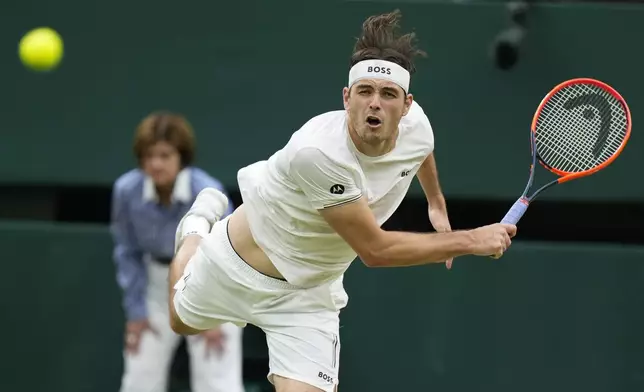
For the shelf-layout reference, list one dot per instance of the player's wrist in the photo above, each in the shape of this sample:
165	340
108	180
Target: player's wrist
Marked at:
466	240
437	202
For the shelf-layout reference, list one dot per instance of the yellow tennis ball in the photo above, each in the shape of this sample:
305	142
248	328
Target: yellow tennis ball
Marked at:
41	49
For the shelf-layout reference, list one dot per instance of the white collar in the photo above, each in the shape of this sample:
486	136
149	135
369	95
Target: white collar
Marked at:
180	192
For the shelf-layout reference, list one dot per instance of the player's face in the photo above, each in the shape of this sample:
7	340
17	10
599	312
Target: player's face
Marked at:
162	163
375	108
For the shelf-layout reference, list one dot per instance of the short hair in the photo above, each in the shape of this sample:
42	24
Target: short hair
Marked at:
167	127
381	40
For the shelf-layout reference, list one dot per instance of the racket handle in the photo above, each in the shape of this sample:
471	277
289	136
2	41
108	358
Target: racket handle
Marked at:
516	211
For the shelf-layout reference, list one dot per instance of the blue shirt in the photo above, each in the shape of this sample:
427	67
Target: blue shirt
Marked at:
141	226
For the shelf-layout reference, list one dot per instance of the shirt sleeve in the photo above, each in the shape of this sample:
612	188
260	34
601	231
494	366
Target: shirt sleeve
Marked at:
324	182
128	258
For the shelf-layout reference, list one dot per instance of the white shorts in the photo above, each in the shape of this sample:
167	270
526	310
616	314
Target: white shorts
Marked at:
301	325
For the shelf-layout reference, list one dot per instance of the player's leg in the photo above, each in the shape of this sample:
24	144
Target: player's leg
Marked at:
304	345
177	277
301	325
208	207
217	371
203	296
289	385
303	358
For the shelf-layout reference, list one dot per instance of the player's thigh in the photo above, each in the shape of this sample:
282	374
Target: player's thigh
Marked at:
200	299
177	324
283	384
305	354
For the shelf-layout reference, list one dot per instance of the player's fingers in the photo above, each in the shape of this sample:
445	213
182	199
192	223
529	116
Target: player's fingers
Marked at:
510	229
501	247
448	263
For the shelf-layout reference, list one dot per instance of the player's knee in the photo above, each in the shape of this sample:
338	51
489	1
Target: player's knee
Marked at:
178	326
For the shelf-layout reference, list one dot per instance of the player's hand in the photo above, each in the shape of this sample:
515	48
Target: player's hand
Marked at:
215	339
210	204
134	331
493	240
440	221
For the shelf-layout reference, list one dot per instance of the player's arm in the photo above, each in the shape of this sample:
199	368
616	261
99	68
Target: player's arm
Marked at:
428	177
348	214
376	247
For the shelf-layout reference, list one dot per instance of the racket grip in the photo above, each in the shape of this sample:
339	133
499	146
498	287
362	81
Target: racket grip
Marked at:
516	212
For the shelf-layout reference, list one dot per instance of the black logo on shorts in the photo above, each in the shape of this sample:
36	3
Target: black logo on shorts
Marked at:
381	70
337	189
325	377
405	173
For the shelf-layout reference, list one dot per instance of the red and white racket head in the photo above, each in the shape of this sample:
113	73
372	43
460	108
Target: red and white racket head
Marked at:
580	127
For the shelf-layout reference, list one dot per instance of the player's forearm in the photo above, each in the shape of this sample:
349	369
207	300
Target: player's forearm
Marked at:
437	202
401	249
428	178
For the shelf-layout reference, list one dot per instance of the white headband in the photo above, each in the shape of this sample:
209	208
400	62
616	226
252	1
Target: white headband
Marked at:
380	69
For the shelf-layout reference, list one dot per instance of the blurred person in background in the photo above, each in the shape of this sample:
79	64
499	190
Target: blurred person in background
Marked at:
147	204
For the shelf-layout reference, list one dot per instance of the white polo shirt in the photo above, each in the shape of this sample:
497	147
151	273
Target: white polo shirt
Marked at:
320	167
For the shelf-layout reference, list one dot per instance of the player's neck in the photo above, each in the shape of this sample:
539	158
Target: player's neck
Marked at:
382	147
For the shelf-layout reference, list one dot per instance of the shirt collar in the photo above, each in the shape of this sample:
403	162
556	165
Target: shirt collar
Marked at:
181	191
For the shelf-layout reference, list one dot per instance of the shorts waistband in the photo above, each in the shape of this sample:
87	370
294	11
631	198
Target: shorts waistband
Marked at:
219	233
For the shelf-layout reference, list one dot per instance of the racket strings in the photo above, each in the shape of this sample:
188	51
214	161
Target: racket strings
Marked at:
555	151
579	128
560	154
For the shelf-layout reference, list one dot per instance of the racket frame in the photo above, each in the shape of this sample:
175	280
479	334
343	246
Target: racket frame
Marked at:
520	206
567	176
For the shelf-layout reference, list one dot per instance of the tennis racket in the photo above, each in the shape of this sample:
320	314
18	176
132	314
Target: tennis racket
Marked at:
579	128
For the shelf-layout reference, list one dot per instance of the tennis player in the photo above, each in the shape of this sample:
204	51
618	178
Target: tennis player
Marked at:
278	261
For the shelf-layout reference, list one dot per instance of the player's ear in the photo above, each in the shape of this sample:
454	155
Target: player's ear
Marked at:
345	97
408	101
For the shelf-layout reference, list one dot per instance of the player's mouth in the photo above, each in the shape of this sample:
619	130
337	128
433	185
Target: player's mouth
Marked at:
373	121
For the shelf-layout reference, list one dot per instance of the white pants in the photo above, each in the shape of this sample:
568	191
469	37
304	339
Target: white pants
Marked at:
301	325
149	368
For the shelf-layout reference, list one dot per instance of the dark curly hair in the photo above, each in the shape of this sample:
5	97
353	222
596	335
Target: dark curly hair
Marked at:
382	40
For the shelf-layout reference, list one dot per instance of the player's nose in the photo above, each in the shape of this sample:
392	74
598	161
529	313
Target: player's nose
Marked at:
374	104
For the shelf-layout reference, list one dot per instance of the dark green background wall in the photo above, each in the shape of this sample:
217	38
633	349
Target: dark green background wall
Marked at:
545	317
253	72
